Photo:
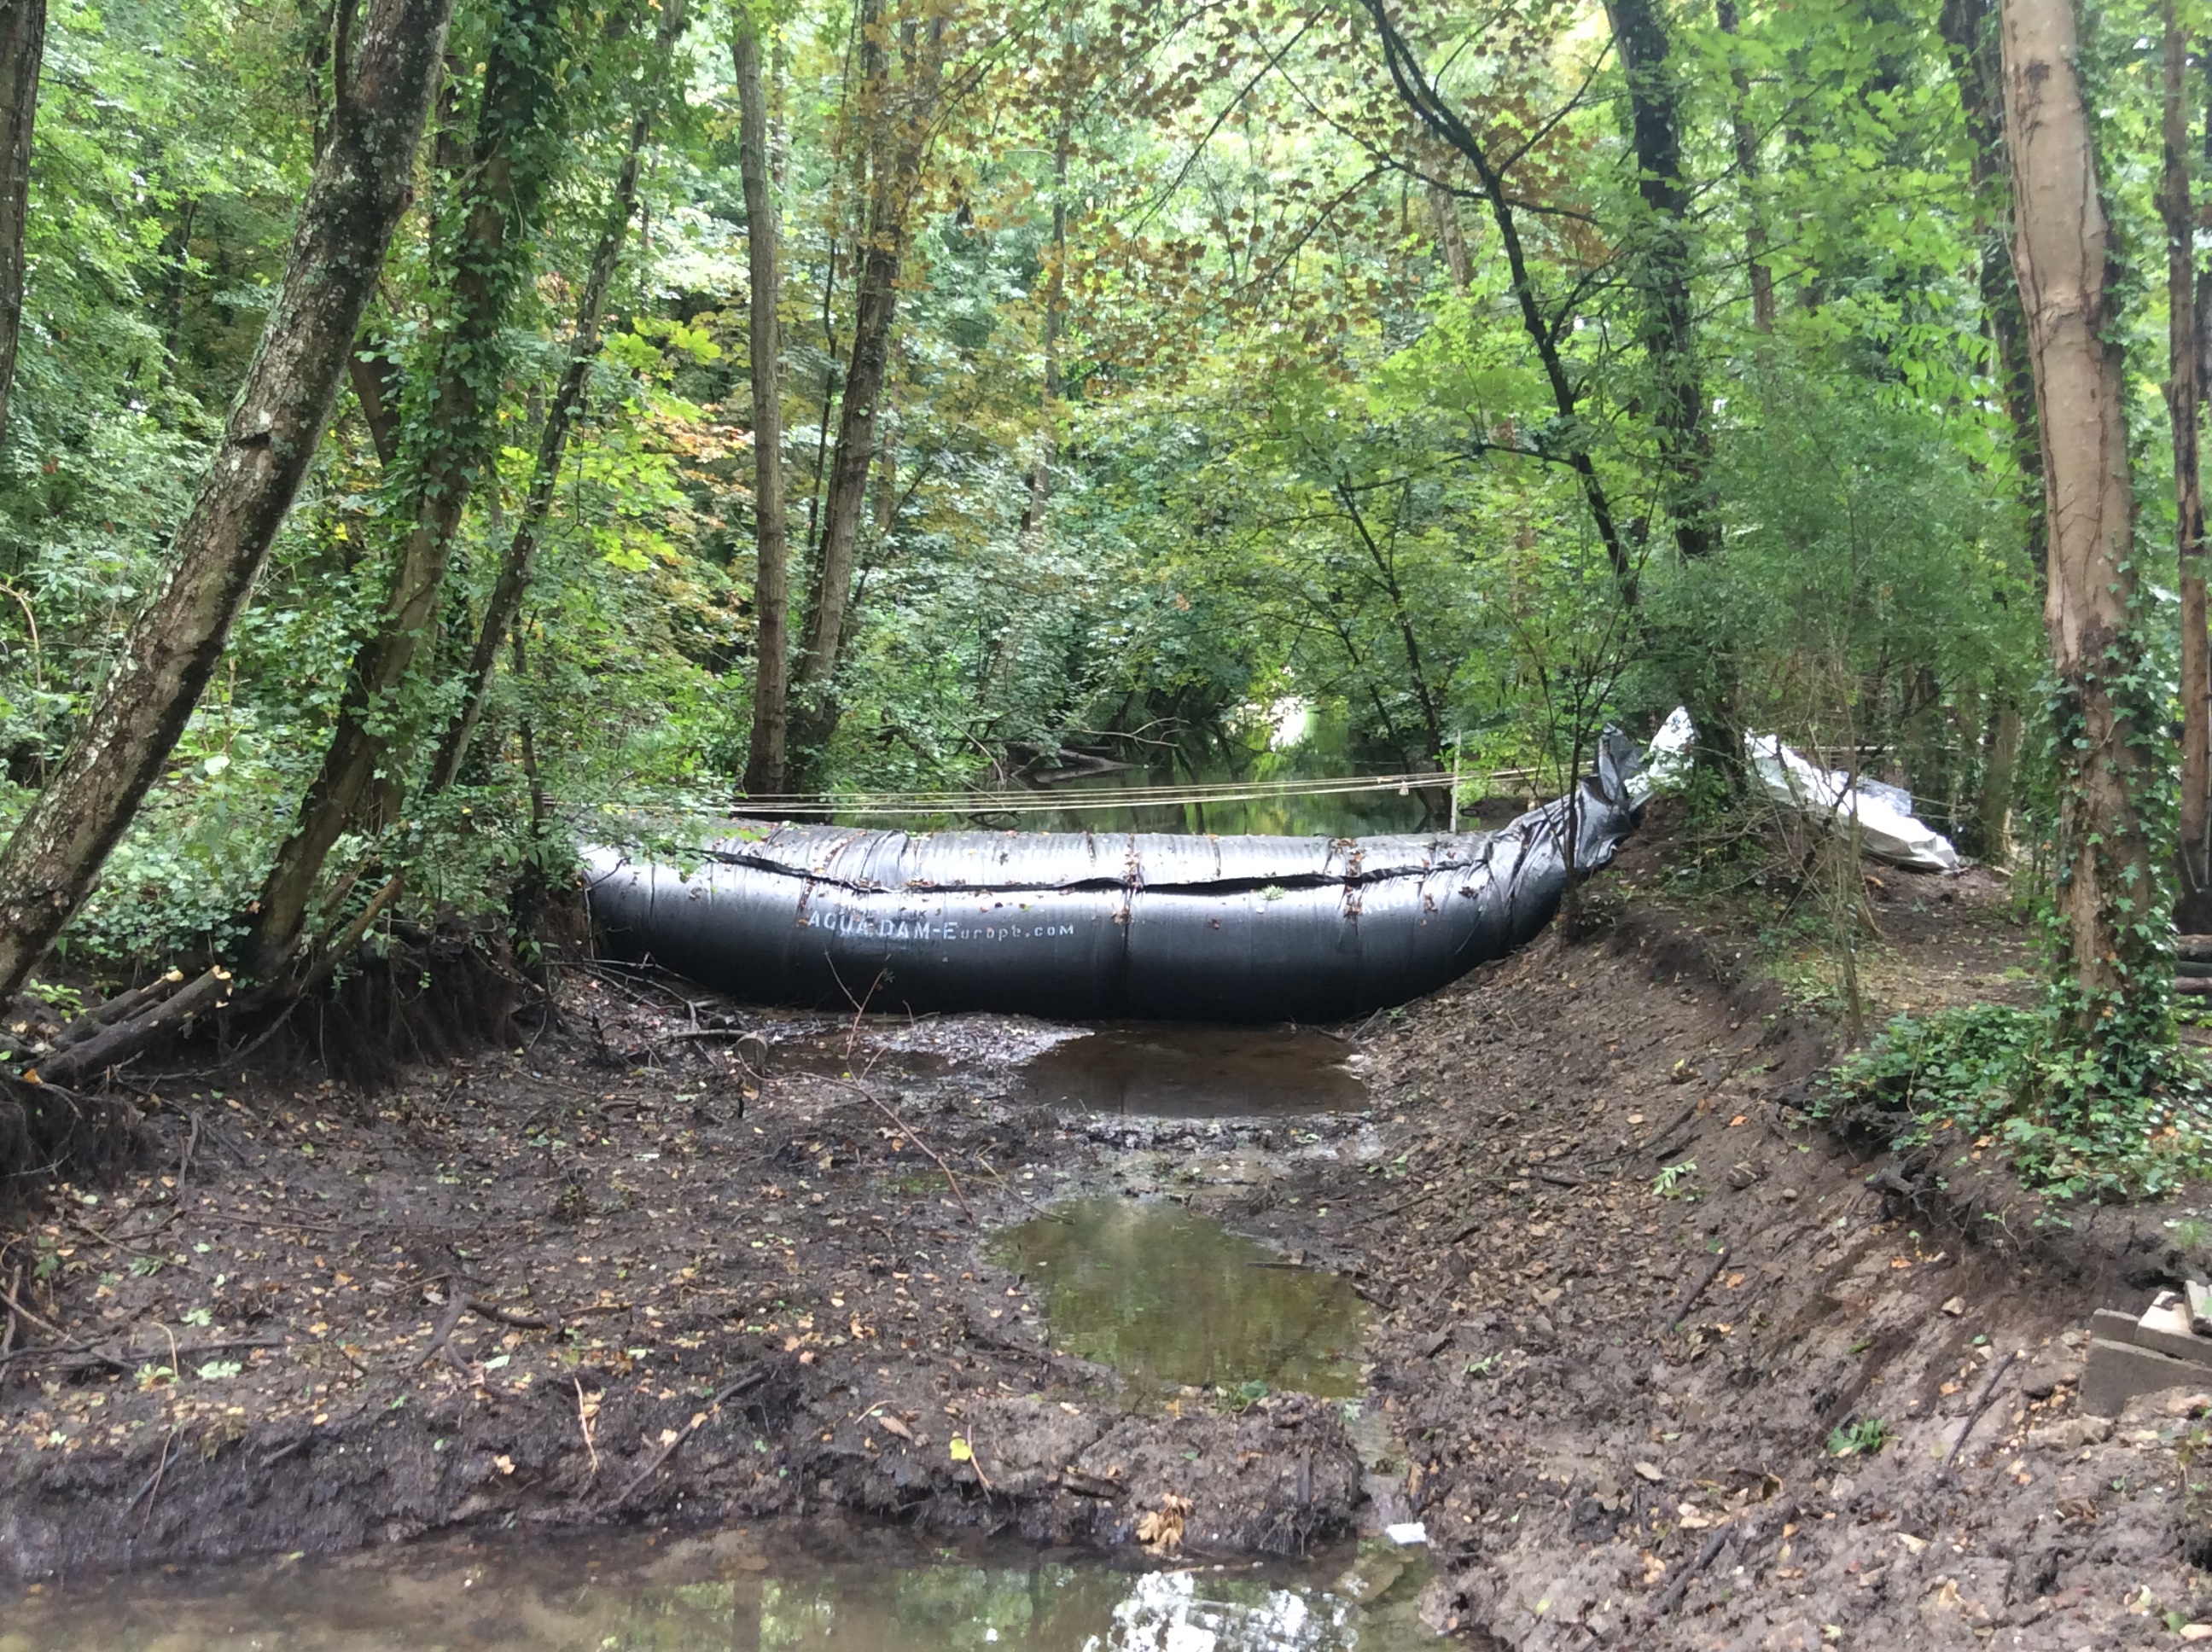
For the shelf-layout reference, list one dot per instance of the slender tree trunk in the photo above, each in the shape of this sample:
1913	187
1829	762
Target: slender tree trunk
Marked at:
901	126
1054	292
2193	906
22	49
2110	906
515	567
1420	95
1747	169
359	190
1661	269
1451	236
765	761
500	193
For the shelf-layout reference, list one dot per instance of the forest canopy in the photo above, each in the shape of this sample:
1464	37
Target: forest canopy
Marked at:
1461	378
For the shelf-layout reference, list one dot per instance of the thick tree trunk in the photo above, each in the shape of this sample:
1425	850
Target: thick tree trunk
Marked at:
486	251
1747	169
2193	904
2108	894
360	189
1660	271
764	760
22	49
901	117
516	565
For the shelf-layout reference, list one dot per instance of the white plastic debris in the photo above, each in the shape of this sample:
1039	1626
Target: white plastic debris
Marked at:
1407	1533
1888	830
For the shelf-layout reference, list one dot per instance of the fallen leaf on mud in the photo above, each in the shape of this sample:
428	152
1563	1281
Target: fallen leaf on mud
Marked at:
1648	1471
1654	1567
960	1450
668	1437
1913	1545
504	1464
2197	1631
895	1426
1955	1307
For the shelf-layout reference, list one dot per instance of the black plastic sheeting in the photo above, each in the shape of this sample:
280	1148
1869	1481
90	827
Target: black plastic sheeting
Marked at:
1087	926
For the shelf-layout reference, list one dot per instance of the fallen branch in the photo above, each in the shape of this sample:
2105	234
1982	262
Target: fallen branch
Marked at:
751	1380
117	1043
915	1136
1688	1299
1974	1415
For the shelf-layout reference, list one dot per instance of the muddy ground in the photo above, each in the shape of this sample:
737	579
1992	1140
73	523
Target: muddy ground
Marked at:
633	1270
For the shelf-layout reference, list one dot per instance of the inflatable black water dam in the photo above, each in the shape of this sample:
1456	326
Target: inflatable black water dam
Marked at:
1088	926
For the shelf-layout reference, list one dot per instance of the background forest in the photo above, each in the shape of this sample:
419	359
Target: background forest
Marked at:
1469	375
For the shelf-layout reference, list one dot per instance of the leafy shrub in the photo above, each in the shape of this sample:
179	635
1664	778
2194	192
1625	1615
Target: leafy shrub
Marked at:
1987	1071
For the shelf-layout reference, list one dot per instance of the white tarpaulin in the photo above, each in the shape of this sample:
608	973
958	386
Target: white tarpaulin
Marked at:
1888	830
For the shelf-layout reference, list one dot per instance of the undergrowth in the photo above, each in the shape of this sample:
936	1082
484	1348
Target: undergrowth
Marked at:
1991	1076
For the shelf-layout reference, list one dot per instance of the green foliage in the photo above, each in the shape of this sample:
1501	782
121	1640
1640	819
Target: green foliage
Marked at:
1994	1076
1862	1438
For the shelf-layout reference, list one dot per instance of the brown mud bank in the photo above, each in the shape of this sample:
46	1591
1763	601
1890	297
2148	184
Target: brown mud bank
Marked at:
1624	1307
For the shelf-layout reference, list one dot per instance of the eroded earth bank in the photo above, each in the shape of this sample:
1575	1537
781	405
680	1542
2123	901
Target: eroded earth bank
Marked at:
1555	1264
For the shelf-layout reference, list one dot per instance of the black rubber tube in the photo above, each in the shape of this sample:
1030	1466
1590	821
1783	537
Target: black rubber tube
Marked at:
1087	925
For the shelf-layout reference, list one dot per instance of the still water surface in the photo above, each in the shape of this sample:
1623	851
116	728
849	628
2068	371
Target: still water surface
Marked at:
767	1588
1169	1298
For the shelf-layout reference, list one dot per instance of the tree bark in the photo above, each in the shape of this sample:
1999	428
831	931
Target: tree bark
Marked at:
22	49
900	118
1451	236
1661	270
1747	169
1054	296
1420	95
500	193
764	760
2110	909
516	565
360	189
2193	906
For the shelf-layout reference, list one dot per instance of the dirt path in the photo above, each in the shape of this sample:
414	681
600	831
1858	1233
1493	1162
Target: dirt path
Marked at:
616	1275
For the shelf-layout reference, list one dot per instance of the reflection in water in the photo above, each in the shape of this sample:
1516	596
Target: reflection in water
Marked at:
1168	1298
1182	1071
765	1589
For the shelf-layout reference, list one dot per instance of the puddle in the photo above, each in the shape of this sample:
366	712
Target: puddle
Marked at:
856	1590
1195	1071
1169	1298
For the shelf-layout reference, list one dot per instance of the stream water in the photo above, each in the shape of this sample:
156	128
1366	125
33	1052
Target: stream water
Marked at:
785	1587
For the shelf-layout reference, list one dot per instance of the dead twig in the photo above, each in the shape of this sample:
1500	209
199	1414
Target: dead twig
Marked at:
1688	1299
751	1380
151	1489
1974	1415
455	1308
914	1136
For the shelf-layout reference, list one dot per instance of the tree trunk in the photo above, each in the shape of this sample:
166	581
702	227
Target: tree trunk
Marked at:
1660	268
1420	94
22	49
1451	236
486	251
515	567
764	760
1747	169
2193	904
2111	952
901	127
360	189
1054	296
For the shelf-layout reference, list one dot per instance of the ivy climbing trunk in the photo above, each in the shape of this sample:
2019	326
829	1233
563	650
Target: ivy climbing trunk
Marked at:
764	758
516	565
2113	972
898	114
22	50
359	188
445	446
2184	393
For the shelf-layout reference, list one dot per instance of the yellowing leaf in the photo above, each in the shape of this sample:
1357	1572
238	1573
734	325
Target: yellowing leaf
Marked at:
959	1449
